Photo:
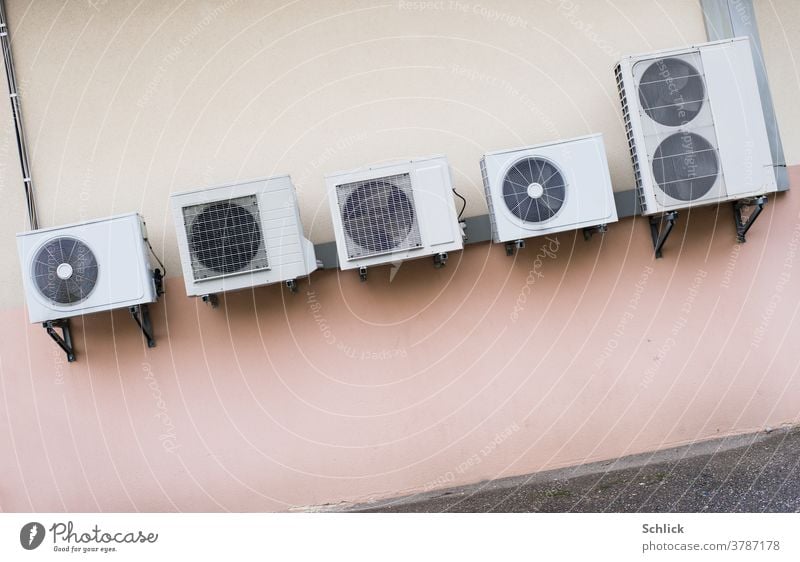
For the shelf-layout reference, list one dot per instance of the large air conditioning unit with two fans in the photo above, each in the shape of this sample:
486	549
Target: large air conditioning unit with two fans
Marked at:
240	236
695	126
548	188
85	268
394	212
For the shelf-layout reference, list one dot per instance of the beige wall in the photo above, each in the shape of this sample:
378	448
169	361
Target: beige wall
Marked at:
779	27
125	102
14	210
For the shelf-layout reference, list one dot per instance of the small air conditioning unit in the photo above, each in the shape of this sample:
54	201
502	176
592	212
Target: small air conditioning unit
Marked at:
548	188
394	212
240	236
85	268
695	126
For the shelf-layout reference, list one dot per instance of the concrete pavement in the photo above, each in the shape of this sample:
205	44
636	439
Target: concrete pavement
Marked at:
750	473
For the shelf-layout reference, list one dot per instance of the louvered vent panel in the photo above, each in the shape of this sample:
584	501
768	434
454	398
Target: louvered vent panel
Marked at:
631	142
488	190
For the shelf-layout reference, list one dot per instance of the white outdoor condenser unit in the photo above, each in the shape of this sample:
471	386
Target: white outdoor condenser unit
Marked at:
88	267
548	188
394	212
240	236
695	126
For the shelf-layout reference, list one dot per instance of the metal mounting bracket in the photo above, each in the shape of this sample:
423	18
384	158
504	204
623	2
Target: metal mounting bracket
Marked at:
590	230
659	233
512	247
743	226
211	300
291	284
141	314
64	340
362	273
440	260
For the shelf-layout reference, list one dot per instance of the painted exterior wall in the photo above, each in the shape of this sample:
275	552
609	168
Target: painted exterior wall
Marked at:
574	351
779	27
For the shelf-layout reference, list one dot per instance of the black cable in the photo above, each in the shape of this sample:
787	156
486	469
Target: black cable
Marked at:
163	269
464	206
158	274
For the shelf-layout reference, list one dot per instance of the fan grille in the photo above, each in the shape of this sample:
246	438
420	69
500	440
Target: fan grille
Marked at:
378	216
225	237
672	92
534	190
65	271
685	166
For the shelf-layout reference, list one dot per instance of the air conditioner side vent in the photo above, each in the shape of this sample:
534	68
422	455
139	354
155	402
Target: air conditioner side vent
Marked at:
488	190
631	142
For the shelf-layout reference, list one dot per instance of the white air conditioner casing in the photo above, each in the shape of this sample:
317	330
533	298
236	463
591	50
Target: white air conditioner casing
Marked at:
394	212
695	126
548	188
241	235
87	267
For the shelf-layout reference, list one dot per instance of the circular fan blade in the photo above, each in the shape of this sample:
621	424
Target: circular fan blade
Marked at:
685	166
225	237
65	271
534	190
671	92
378	216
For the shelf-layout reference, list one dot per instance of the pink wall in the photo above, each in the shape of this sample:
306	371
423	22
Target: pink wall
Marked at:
344	392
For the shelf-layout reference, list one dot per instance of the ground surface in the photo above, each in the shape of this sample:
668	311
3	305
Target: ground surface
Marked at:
754	473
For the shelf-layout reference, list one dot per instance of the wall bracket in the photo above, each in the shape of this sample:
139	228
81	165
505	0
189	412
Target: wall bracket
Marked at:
64	339
512	247
660	228
141	314
742	226
589	231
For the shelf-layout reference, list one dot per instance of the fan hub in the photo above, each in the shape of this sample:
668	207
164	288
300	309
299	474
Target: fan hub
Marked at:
535	190
64	271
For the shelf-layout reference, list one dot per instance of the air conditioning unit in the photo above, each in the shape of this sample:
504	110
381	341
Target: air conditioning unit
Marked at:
695	126
548	188
87	267
240	236
394	212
